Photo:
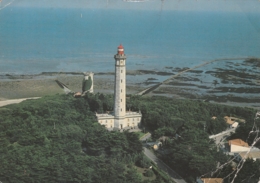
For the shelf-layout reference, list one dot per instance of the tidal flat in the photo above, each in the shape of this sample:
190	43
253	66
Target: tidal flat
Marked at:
236	83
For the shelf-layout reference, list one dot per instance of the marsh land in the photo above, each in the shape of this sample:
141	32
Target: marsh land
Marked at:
238	83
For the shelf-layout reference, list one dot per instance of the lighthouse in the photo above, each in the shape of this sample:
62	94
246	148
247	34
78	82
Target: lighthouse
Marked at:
120	88
120	119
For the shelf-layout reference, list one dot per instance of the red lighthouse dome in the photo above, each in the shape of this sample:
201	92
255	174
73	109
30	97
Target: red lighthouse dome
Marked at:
120	50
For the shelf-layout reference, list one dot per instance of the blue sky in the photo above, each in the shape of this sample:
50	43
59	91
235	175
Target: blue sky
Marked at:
181	5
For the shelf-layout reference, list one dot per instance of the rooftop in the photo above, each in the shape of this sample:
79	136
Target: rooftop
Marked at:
104	115
214	117
77	94
231	120
111	114
212	180
238	142
235	125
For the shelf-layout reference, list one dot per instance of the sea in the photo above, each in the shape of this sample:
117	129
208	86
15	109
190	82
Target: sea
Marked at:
35	40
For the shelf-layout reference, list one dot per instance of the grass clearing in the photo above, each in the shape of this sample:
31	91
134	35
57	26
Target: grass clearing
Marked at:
142	171
140	134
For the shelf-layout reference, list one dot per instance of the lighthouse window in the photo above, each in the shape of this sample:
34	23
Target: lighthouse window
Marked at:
121	109
121	91
121	80
121	71
121	100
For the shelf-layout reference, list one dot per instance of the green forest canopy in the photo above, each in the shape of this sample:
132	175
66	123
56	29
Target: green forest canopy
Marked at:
189	123
43	140
57	139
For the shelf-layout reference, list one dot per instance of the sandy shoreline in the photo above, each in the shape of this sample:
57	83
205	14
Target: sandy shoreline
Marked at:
14	101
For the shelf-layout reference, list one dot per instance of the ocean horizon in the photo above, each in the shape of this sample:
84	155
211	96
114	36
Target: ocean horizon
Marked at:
35	40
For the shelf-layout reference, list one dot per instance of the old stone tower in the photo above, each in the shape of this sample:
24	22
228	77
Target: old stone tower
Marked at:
120	118
120	88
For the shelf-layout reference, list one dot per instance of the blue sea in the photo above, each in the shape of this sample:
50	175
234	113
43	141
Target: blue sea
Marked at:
34	40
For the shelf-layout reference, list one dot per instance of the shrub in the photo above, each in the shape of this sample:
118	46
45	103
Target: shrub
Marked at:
143	162
148	173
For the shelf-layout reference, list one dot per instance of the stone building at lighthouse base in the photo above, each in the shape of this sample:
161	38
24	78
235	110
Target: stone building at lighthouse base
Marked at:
132	120
120	118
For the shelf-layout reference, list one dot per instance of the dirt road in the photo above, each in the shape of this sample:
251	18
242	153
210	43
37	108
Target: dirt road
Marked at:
14	101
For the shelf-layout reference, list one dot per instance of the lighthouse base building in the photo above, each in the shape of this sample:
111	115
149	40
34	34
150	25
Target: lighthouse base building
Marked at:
120	118
131	121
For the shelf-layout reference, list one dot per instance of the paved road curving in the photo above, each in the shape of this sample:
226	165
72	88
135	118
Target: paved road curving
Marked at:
174	176
146	136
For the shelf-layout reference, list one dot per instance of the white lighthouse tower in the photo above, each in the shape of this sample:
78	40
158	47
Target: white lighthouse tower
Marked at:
120	118
120	89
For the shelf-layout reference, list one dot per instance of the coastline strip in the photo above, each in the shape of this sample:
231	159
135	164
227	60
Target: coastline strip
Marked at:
150	89
14	101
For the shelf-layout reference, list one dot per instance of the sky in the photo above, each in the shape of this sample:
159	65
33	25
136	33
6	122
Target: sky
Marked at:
179	5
